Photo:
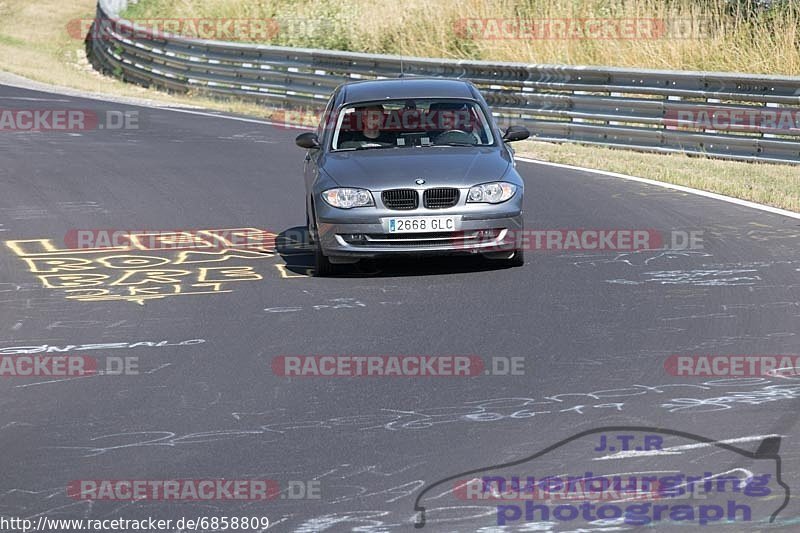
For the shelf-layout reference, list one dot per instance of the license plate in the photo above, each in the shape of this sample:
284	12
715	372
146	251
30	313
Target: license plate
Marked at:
420	224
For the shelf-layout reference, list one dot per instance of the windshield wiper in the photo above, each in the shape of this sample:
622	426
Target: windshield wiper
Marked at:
454	143
355	148
375	146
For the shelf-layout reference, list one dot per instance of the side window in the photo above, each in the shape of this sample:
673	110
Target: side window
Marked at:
324	124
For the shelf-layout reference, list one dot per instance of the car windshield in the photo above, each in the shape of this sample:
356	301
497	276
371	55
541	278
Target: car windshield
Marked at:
410	123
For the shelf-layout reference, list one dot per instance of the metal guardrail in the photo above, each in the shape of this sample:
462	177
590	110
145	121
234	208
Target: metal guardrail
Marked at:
634	109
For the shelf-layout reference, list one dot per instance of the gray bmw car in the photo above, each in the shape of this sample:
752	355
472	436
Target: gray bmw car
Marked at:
414	167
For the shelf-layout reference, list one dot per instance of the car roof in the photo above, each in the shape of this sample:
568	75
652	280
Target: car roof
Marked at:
362	91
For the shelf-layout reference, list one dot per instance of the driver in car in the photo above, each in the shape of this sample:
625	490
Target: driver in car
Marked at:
371	119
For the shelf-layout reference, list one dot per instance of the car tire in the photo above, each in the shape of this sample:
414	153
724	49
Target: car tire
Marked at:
518	259
514	259
322	265
309	229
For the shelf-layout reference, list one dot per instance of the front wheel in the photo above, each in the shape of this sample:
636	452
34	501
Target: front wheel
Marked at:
322	265
514	259
309	228
518	259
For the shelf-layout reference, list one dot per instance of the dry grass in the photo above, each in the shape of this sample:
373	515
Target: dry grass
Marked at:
775	185
724	39
34	41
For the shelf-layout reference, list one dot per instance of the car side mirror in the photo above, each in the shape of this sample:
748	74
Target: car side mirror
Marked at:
307	140
516	133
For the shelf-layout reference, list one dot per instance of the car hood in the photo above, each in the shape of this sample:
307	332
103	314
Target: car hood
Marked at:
400	167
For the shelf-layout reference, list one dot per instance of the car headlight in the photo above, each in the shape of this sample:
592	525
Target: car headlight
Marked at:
492	193
346	198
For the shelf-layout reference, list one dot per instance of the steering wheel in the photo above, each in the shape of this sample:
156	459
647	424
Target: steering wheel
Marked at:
444	137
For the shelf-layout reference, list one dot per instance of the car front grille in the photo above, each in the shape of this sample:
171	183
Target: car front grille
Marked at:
440	198
400	199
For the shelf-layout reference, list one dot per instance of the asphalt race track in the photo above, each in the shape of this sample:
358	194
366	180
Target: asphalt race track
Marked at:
594	330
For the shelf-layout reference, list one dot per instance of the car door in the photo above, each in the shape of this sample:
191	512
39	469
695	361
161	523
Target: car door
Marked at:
311	163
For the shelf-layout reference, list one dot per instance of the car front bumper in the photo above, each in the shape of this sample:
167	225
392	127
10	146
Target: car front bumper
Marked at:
354	234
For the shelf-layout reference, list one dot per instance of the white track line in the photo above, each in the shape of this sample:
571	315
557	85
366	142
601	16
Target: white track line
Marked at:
227	117
729	199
